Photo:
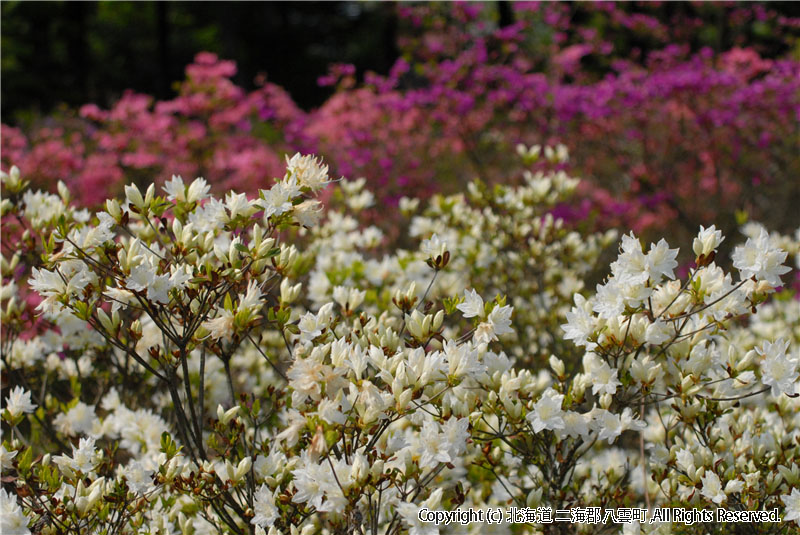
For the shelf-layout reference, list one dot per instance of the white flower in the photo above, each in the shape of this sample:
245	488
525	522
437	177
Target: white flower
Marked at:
87	238
685	461
289	293
144	276
278	199
175	189
792	503
140	277
547	413
238	205
308	213
158	289
612	425
12	178
221	326
497	324
712	488
580	323
575	425
80	419
209	217
6	456
308	171
631	266
661	261
310	326
707	240
84	457
198	190
252	298
134	196
12	519
180	276
348	298
19	402
778	370
645	369
329	410
433	247
658	332
609	299
270	466
264	508
435	447
462	360
604	379
456	434
139	478
472	305
51	285
757	258
360	201
312	482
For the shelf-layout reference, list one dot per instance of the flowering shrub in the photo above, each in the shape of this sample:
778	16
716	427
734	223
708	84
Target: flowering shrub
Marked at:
655	135
212	128
256	364
655	138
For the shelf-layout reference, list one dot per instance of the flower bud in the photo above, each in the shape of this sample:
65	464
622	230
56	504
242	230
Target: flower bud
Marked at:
289	293
707	240
534	497
242	468
376	470
149	195
557	366
437	320
63	192
226	416
113	209
134	196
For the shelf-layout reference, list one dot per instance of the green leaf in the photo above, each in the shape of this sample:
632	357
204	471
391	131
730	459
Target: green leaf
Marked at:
292	328
168	445
25	461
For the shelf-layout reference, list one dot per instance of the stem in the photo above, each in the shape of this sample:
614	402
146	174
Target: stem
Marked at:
428	289
187	385
274	366
201	393
227	363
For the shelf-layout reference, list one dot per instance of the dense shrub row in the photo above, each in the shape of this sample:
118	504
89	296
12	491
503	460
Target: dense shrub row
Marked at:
210	365
654	137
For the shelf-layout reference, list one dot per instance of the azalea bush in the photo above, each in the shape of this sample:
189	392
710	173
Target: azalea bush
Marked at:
179	362
654	135
655	120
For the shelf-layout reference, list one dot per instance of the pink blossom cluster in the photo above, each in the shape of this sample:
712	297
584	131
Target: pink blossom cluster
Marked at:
656	138
213	128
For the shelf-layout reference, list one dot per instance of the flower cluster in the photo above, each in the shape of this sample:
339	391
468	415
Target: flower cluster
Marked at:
185	363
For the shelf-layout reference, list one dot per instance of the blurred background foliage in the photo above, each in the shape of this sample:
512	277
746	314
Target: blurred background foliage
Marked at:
71	53
675	114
